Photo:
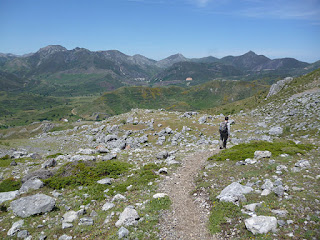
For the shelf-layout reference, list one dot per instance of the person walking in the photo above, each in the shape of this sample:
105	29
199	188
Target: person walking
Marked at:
224	130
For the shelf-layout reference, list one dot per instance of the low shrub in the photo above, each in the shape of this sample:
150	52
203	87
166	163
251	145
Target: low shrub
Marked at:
85	173
10	184
246	150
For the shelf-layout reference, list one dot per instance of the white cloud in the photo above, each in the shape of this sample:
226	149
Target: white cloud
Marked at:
202	3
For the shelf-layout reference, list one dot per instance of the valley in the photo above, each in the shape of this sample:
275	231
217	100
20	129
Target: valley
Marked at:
123	175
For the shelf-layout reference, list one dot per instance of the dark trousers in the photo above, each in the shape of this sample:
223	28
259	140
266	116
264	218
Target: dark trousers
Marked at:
223	138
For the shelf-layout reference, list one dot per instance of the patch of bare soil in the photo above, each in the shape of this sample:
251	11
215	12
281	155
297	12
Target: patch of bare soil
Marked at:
186	219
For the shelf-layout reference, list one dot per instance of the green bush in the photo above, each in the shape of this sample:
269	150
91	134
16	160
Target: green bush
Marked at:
54	155
85	173
246	150
10	184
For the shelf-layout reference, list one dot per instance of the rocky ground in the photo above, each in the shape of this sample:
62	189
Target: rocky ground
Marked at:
152	179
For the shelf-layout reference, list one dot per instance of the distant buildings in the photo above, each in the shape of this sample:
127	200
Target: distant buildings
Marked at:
189	79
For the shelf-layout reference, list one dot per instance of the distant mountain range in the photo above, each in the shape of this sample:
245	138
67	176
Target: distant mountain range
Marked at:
54	70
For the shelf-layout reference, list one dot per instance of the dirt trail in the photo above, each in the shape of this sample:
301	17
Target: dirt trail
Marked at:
186	219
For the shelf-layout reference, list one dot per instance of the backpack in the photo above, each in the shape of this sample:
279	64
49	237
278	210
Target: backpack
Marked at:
223	127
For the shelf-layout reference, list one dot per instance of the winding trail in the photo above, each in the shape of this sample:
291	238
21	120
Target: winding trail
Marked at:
185	220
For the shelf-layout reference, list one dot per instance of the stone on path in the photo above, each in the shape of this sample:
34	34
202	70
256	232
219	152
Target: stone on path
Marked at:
31	205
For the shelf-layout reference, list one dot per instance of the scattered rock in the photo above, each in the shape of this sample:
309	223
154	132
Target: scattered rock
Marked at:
65	237
105	181
262	154
15	228
40	174
276	131
118	197
303	164
280	213
49	163
109	156
159	195
123	232
251	207
70	216
6	196
162	155
31	184
107	206
128	217
163	170
31	205
87	221
234	193
23	234
261	224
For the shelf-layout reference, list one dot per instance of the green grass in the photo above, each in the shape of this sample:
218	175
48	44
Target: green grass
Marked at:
85	173
198	97
220	211
10	184
138	180
246	150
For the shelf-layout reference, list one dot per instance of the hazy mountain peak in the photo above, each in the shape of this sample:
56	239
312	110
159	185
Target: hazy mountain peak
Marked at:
250	53
50	49
169	61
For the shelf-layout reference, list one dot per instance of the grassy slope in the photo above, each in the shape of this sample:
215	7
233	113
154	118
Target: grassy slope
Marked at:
300	84
199	97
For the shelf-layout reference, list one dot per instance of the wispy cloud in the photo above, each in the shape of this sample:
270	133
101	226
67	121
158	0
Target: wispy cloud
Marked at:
282	9
201	3
275	9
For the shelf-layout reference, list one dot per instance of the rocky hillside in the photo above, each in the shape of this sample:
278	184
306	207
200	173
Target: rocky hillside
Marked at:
115	178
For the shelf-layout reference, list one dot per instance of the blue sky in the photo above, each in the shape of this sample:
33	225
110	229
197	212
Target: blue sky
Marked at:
159	28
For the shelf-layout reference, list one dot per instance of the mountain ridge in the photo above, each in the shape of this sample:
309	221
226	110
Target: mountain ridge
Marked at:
53	68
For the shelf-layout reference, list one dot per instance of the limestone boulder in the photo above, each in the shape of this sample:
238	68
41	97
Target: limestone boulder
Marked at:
31	205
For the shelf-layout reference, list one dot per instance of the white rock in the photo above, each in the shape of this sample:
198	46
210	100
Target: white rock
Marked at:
15	228
86	151
31	184
105	181
159	195
276	131
128	217
234	192
251	207
107	206
70	216
118	197
123	232
262	154
261	224
303	164
250	161
65	237
6	196
265	192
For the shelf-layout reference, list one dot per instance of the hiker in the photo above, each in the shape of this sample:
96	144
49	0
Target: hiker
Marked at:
224	130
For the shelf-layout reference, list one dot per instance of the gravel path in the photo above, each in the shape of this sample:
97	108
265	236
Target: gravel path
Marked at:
186	219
